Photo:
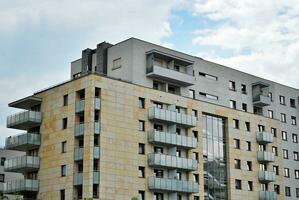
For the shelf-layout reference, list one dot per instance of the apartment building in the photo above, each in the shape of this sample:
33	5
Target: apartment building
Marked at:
140	120
6	176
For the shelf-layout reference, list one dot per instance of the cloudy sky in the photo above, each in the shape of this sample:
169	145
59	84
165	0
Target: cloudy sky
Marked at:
38	39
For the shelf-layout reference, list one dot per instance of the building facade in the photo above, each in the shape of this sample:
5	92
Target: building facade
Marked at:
140	120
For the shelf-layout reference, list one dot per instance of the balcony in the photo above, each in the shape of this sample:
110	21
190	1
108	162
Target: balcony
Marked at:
267	195
261	100
97	127
171	162
1	187
96	177
164	138
264	156
170	117
79	129
78	154
22	164
264	137
26	103
267	176
79	106
21	186
78	178
96	152
97	103
23	142
172	185
24	120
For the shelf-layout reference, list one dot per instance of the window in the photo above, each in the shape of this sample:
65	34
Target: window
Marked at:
270	95
238	184
244	107
261	128
196	178
158	196
158	173
196	198
286	172
63	170
141	148
64	123
284	136
116	63
62	194
2	161
192	94
2	178
179	175
95	191
262	147
141	102
141	172
294	138
287	191
249	165
247	126
141	195
243	89
232	85
270	114
232	104
297	192
158	150
294	120
178	153
236	123
296	156
208	76
282	100
237	164
65	100
209	96
293	103
296	174
236	143
283	117
285	153
158	105
276	169
195	156
249	186
194	113
273	131
276	189
63	147
195	134
248	146
176	68
141	125
275	151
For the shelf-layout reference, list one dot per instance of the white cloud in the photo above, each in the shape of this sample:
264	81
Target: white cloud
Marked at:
262	36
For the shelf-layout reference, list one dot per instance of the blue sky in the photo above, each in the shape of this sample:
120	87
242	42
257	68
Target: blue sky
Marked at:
39	39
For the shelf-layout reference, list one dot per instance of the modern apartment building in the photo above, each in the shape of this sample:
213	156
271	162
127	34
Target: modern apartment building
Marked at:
6	176
140	120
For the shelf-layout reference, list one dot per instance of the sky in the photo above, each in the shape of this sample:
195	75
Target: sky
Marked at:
39	39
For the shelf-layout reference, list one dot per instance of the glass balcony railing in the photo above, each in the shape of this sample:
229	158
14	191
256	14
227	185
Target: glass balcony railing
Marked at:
78	178
22	164
170	139
96	177
267	195
267	176
264	137
21	186
24	120
170	116
172	185
78	154
79	105
264	156
79	129
23	142
97	127
167	161
97	103
96	152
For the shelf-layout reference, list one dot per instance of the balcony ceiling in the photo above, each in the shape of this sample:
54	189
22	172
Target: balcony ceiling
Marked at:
26	103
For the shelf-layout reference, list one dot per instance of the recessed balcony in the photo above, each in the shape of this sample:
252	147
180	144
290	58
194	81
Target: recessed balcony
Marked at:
172	185
21	186
170	117
79	105
23	142
267	176
22	164
78	178
264	137
267	195
170	139
24	120
171	162
265	157
79	129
